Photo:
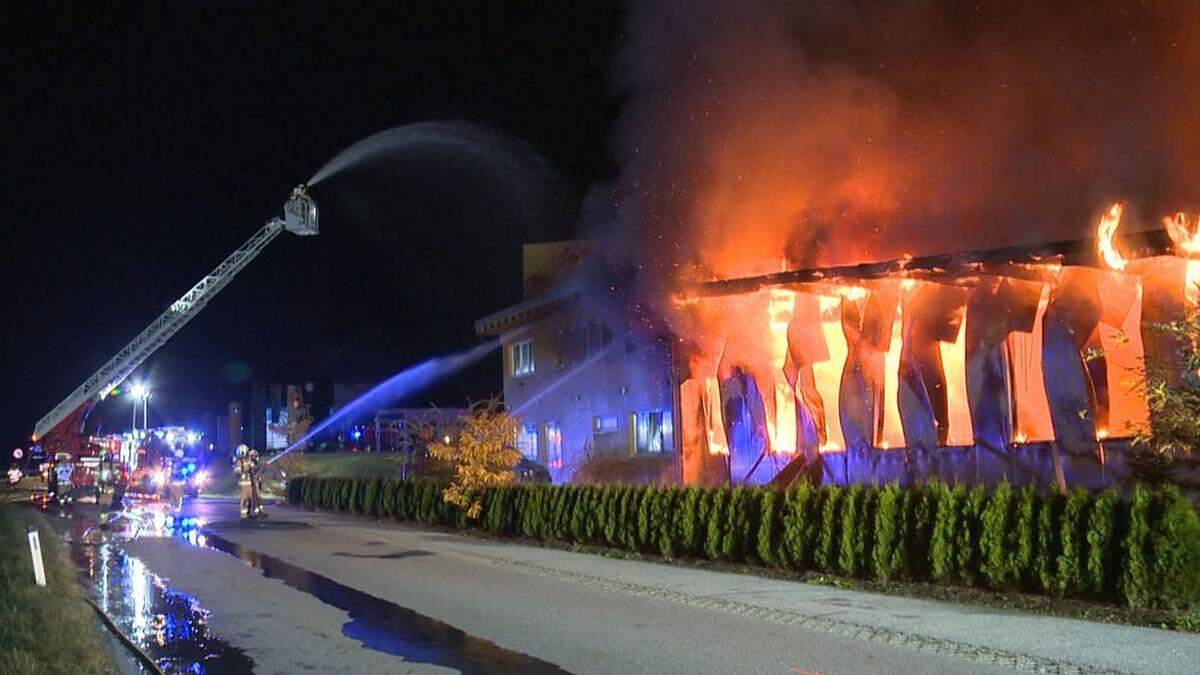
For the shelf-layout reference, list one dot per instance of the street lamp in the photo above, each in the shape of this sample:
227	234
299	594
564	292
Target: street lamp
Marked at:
141	391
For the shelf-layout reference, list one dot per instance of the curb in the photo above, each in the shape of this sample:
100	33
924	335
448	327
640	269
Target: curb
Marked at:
142	656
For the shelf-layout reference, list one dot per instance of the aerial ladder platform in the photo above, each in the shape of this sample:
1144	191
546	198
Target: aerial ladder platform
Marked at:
62	428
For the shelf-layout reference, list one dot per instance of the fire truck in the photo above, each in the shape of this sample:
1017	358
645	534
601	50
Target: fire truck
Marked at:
62	429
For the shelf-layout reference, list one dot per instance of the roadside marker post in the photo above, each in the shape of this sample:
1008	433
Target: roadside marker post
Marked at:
35	552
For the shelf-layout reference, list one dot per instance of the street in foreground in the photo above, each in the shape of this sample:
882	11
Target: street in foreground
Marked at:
306	591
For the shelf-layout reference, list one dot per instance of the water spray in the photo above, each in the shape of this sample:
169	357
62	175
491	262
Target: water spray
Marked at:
405	383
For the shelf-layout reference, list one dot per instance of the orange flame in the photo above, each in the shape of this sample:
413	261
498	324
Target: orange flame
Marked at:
1104	237
1185	235
853	293
782	429
715	426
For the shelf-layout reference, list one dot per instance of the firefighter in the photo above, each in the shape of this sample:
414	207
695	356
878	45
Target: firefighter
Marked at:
119	486
173	486
103	482
52	478
245	463
256	483
63	472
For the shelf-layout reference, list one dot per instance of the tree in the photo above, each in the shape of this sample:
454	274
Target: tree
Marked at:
1172	390
483	452
299	420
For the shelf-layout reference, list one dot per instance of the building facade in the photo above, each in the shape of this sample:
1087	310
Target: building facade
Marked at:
587	388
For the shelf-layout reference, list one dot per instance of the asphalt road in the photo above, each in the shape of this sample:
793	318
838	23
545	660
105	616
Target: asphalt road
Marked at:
322	593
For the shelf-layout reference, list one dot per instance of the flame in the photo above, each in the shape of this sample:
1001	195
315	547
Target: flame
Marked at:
828	373
1123	354
715	423
954	367
1191	283
1185	235
781	428
854	293
1104	237
1029	386
892	433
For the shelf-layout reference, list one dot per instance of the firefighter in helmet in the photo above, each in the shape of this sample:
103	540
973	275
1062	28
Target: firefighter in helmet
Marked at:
246	464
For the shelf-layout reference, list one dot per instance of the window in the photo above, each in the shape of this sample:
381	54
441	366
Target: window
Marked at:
652	432
522	358
527	441
553	445
604	424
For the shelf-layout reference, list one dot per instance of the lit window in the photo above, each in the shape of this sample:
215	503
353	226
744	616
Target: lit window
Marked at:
652	431
527	441
522	358
604	423
553	445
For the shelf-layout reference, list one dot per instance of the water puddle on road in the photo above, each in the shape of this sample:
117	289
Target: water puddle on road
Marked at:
390	628
169	626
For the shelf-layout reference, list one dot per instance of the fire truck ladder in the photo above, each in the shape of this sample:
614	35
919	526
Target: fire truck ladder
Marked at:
300	217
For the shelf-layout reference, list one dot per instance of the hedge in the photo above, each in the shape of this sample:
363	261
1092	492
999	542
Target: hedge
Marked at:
1142	549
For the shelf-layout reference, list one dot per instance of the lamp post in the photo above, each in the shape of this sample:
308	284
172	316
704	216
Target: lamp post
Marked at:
141	391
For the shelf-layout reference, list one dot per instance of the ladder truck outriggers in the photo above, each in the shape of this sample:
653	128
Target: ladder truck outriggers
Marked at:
62	429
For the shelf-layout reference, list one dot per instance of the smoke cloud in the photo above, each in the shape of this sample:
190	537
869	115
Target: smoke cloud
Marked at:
761	134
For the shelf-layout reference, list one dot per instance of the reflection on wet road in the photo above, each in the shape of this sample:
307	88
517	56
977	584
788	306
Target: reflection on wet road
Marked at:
390	628
171	627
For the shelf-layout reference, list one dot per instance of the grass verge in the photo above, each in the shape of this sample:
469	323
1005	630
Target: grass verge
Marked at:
47	629
353	464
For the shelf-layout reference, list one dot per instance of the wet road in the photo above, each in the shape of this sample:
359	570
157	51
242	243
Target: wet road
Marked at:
317	592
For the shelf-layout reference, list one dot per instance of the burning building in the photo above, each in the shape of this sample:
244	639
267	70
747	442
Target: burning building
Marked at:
778	162
1020	364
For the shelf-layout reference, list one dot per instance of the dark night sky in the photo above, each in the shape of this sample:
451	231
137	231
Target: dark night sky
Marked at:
142	144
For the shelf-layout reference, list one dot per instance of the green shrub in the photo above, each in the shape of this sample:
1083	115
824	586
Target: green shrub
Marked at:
703	516
1101	529
1141	551
825	555
1175	551
610	510
944	540
387	497
920	517
996	542
688	520
967	552
666	505
887	556
645	527
1135	563
1049	541
1071	559
1025	523
850	553
733	533
796	549
579	514
767	541
714	539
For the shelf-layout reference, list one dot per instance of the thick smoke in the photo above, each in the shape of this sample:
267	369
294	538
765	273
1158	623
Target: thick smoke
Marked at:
760	134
